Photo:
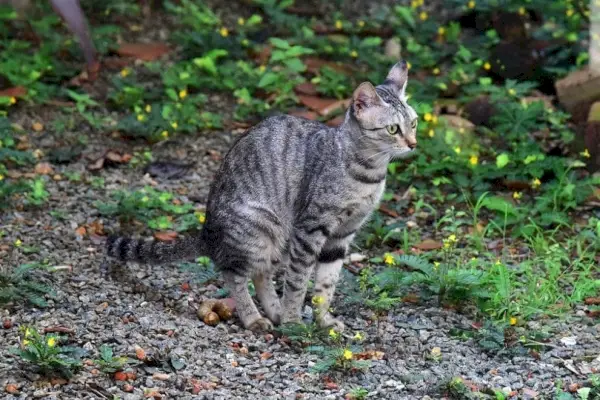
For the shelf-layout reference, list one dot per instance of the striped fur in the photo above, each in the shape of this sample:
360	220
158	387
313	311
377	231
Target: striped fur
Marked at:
290	195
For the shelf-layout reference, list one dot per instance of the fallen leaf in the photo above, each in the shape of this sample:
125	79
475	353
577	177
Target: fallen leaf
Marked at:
58	381
167	236
120	376
185	286
429	244
388	211
152	393
140	353
306	88
337	121
37	126
370	355
323	106
305	114
161	377
17	91
80	231
592	301
411	298
143	51
59	329
43	168
131	376
11	388
266	355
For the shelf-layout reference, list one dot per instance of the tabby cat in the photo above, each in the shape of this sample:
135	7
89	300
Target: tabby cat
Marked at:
291	194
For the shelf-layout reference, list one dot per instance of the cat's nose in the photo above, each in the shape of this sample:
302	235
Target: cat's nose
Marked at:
412	145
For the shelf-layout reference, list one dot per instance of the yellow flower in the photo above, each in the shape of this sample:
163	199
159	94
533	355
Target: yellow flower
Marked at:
125	72
498	262
436	71
457	150
441	31
316	300
353	54
536	183
333	334
513	321
148	108
428	117
434	119
13	100
358	336
471	4
487	66
224	32
18	243
512	92
570	12
585	153
141	117
241	21
408	65
51	342
436	265
164	134
28	332
522	10
348	354
474	160
450	241
361	23
174	125
183	94
262	68
423	16
338	24
420	2
25	342
1	177
517	195
389	259
431	133
201	217
414	4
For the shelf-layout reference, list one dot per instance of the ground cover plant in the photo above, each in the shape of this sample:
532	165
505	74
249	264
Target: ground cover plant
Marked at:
484	252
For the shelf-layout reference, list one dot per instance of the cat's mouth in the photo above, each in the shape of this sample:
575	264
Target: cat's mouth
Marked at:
403	153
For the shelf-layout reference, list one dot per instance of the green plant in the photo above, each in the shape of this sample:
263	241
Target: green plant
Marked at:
357	393
338	357
21	284
47	355
109	364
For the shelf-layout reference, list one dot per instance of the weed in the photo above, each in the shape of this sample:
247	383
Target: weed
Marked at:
109	364
46	354
22	285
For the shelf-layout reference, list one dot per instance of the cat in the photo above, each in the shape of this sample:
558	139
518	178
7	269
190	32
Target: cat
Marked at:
292	193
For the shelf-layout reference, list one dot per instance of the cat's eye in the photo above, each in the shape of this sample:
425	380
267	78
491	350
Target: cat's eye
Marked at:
414	124
392	129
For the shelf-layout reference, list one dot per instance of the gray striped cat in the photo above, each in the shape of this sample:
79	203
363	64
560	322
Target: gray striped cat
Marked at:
291	194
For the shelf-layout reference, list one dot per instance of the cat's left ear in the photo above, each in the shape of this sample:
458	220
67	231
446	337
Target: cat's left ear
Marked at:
398	77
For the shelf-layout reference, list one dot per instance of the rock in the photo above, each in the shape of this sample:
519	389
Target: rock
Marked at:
578	91
569	340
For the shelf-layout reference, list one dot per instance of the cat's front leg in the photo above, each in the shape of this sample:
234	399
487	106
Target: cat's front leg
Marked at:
329	266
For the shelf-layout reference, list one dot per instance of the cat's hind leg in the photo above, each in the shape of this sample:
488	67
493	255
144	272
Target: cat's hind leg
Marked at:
246	309
265	291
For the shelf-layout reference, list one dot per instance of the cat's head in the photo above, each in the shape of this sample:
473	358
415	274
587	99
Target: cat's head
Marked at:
383	115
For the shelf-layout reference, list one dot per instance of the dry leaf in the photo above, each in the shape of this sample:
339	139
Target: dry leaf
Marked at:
17	91
37	126
370	355
306	88
140	353
167	236
429	244
592	301
43	168
323	106
266	355
11	388
305	114
388	211
143	51
80	231
120	376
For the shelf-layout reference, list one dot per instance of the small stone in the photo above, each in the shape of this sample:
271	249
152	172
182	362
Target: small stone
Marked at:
569	340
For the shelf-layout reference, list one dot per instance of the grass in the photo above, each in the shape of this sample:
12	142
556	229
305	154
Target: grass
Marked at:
504	200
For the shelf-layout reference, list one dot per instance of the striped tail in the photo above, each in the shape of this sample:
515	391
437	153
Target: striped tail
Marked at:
153	251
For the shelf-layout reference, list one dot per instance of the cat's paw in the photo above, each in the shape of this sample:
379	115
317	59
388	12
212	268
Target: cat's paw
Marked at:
261	325
328	321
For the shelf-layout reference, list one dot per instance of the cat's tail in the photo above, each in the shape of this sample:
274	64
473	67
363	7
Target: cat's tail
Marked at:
156	252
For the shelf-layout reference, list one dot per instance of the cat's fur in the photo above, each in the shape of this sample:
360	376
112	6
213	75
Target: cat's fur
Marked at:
291	194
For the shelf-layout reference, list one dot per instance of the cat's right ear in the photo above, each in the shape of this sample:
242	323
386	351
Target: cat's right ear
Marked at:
365	97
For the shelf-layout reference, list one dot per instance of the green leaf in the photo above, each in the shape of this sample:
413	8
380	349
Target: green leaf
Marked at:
502	160
499	204
268	79
280	43
406	14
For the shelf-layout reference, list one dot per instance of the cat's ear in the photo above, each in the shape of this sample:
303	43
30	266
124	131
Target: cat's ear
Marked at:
365	97
398	77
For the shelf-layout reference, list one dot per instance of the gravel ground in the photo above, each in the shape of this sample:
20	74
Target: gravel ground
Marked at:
146	307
